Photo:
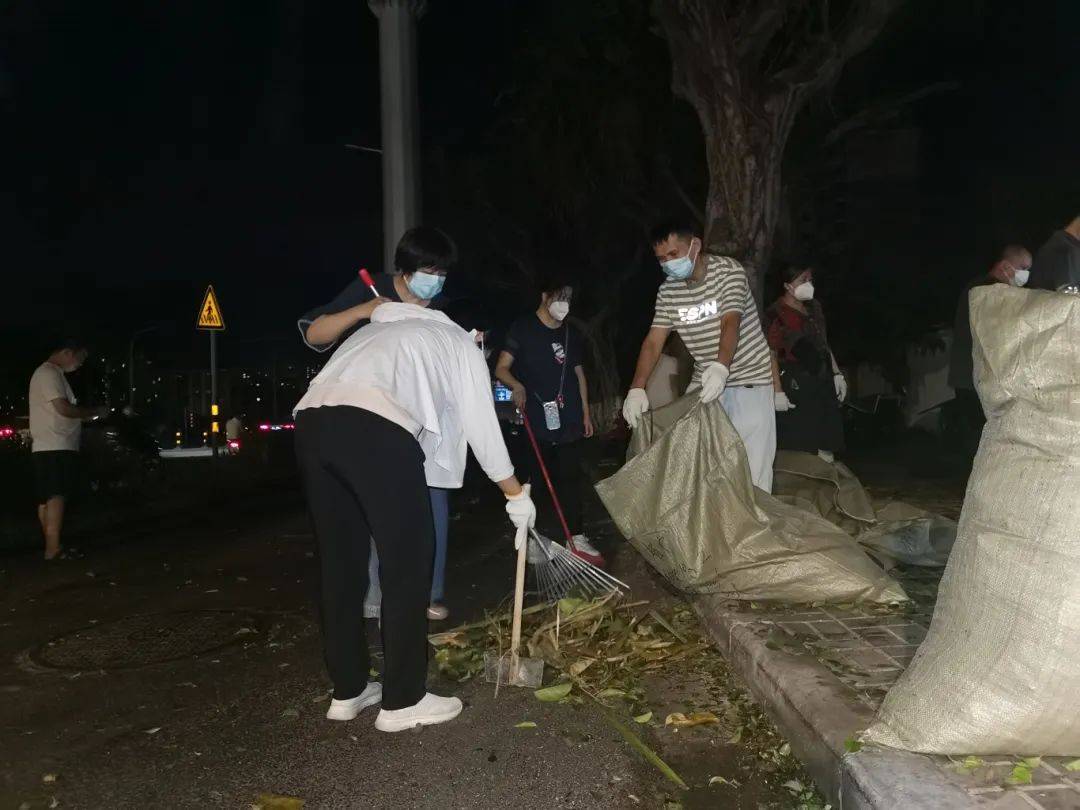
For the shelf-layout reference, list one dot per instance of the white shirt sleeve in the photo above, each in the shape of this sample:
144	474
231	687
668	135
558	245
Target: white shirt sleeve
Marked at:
481	425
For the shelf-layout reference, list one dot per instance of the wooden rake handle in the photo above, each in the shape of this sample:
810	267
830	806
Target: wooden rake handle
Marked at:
519	596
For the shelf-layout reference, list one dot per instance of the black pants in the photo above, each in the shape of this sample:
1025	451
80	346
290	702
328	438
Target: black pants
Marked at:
56	473
816	422
564	465
364	478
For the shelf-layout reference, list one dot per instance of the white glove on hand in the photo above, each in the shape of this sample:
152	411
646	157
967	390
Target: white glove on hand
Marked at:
713	380
782	403
841	386
522	512
635	406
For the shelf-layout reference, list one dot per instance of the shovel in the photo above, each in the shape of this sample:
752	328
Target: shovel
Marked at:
512	668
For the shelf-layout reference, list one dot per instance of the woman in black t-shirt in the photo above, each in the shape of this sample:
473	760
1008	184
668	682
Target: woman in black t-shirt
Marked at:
542	364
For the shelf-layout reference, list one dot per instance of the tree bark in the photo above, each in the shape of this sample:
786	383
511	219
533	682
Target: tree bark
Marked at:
748	68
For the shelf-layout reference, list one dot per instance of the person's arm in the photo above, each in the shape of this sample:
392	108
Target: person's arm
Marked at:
326	329
479	422
729	337
65	408
651	348
504	375
321	327
510	487
583	386
734	292
776	384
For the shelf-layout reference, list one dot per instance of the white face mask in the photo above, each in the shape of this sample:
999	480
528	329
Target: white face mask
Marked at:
804	292
1020	278
559	310
681	268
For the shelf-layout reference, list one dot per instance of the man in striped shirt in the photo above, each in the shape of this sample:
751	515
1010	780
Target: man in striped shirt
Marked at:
706	299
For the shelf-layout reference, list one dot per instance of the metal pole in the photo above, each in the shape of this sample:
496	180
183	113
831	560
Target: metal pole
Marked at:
213	390
131	372
274	384
400	114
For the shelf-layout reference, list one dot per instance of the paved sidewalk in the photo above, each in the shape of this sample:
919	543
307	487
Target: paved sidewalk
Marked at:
821	672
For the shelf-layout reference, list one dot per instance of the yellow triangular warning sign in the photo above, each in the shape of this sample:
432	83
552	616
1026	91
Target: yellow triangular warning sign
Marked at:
210	316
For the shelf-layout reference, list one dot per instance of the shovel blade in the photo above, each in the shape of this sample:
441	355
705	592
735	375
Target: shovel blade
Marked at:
528	672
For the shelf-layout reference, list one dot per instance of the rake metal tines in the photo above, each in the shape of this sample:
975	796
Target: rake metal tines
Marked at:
558	572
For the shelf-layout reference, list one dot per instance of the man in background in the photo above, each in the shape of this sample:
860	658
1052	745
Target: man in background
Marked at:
1012	268
233	428
55	430
1057	264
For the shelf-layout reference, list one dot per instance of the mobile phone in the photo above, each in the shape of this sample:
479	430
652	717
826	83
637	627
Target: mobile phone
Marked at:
502	393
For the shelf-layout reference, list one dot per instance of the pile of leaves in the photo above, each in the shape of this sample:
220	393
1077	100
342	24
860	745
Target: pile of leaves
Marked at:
602	647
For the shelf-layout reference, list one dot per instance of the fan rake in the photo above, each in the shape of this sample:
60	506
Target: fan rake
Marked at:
558	572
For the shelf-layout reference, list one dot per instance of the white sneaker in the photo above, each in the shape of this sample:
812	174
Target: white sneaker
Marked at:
581	547
348	709
430	711
826	456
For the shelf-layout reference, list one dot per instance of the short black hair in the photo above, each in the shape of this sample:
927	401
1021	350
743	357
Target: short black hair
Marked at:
72	343
673	226
790	271
554	283
424	246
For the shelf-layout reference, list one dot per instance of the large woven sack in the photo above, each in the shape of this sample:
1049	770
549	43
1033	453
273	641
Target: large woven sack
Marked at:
999	671
686	502
909	535
892	532
830	489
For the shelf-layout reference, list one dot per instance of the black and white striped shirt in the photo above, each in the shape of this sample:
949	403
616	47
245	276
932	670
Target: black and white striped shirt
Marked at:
695	312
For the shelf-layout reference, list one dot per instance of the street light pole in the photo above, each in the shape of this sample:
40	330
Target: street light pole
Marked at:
400	145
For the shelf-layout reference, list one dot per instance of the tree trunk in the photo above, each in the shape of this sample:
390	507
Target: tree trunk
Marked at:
743	201
602	372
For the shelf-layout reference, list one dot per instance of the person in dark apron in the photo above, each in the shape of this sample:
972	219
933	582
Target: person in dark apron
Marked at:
811	384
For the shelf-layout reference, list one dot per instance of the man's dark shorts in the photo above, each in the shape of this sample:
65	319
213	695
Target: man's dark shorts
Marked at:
55	473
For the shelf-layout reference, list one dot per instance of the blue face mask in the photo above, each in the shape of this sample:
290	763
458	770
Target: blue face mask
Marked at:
681	268
426	285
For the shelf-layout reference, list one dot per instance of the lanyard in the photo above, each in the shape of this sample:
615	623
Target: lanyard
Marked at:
562	375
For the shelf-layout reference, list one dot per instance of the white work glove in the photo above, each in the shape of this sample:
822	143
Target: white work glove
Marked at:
635	406
713	380
841	386
522	512
782	403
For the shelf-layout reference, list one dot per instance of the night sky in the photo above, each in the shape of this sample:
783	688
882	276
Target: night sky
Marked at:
154	148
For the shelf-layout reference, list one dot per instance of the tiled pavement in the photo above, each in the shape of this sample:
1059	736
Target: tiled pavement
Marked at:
867	650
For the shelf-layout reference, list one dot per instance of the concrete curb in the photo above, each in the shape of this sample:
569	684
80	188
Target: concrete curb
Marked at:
817	713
